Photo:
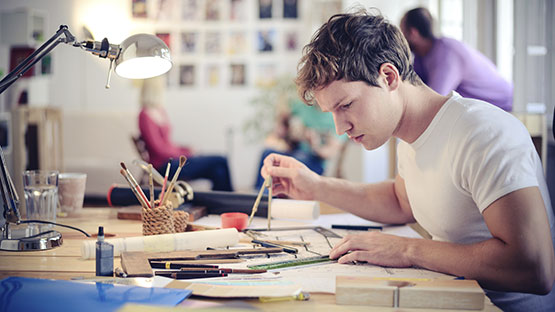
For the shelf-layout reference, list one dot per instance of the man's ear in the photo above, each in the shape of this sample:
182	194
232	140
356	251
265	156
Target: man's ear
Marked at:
390	74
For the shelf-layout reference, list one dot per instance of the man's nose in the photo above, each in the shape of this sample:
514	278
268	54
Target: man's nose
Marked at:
341	125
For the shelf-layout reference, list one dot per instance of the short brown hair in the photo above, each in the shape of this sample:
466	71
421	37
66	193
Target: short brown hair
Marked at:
352	46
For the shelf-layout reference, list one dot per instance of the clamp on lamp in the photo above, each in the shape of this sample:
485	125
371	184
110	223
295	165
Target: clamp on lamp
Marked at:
137	57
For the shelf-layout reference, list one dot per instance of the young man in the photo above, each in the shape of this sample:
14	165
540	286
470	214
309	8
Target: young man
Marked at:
468	171
446	64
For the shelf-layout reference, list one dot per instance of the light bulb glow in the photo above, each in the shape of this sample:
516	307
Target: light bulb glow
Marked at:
143	67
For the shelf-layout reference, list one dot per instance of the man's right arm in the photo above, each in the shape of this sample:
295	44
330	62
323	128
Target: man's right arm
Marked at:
384	202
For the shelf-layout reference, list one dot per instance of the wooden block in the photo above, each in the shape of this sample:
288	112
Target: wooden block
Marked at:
196	212
351	290
135	264
130	213
443	294
409	293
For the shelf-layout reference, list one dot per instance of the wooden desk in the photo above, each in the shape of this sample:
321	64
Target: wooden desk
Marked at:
65	262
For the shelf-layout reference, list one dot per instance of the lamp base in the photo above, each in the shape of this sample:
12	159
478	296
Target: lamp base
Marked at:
17	239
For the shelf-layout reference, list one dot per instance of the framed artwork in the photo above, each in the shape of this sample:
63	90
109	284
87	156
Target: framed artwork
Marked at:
213	75
291	41
213	43
213	10
237	43
138	8
264	9
266	40
189	42
18	55
265	75
238	10
163	10
189	10
238	76
166	37
290	9
187	75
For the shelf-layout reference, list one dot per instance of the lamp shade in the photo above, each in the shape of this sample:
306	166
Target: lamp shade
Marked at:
143	56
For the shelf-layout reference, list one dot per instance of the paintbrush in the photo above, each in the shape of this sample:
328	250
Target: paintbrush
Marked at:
182	161
141	200
150	185
135	184
165	182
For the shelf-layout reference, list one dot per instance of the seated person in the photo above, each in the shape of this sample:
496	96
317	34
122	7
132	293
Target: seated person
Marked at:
155	128
305	133
446	64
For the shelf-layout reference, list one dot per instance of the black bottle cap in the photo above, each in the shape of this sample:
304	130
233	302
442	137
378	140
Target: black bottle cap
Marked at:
100	231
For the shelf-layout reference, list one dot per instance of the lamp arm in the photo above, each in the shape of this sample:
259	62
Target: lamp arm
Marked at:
36	56
10	213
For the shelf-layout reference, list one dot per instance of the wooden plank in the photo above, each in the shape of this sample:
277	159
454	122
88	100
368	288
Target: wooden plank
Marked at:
409	293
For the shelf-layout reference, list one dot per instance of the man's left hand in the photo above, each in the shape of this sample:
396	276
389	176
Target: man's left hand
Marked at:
373	247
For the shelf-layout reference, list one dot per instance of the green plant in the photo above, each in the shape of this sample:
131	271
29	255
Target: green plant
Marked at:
269	101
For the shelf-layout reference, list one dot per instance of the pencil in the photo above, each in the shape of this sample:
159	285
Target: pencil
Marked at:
171	265
356	227
287	249
151	185
185	275
223	270
165	182
182	160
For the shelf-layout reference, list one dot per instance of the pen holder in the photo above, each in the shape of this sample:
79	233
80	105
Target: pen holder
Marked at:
180	220
158	220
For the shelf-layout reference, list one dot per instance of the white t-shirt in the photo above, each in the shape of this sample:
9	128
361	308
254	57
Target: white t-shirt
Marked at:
471	154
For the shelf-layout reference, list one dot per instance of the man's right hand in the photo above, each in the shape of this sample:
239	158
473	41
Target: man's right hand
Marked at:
290	177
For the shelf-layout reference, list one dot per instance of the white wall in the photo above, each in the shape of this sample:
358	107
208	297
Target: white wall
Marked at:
202	117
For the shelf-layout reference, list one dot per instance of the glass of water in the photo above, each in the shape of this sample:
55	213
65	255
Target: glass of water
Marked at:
41	198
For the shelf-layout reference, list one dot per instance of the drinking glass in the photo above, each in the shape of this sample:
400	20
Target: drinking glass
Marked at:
41	197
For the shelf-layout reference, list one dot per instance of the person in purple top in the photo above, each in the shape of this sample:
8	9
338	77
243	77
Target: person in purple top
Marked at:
446	64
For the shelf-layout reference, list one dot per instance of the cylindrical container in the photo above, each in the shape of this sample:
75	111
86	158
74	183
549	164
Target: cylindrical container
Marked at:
197	240
158	220
71	191
236	220
41	198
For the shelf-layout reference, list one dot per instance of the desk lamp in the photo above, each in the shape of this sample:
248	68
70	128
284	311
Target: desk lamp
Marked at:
137	57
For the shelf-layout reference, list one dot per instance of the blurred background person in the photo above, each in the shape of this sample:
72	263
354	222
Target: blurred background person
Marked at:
155	129
446	64
305	133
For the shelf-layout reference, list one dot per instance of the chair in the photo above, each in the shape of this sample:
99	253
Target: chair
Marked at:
140	145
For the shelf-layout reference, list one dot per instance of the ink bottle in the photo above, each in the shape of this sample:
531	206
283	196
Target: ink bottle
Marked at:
104	255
